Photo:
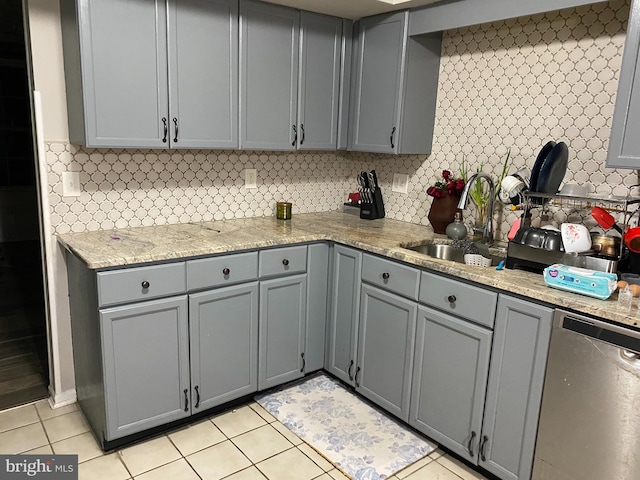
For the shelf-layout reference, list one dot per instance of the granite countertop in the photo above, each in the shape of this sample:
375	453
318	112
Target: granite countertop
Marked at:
387	237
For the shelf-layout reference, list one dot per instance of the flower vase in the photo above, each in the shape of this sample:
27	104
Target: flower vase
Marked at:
443	211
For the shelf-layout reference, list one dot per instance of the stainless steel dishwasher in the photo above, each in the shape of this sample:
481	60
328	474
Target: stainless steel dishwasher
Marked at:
590	417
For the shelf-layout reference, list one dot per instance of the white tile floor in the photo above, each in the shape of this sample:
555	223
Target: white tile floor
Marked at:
246	443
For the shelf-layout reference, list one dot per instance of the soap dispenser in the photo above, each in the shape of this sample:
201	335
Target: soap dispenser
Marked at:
456	230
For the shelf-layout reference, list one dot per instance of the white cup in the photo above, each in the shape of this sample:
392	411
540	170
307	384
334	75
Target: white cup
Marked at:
512	186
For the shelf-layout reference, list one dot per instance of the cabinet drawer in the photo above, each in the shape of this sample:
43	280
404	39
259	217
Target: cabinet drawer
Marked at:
460	299
222	270
283	261
391	276
142	283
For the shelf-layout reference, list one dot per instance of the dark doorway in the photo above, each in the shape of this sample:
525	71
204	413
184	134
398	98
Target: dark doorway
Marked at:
23	340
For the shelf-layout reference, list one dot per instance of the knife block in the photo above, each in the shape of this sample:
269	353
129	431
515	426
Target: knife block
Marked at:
375	209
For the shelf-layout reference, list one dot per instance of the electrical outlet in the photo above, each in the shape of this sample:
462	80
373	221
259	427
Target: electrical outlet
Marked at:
400	183
251	178
71	184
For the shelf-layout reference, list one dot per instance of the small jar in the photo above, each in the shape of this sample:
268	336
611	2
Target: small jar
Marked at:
456	230
283	210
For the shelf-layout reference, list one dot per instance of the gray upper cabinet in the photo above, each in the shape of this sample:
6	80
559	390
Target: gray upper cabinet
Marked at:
394	89
177	87
450	380
385	350
269	42
319	85
342	331
223	330
514	392
290	78
624	144
203	73
146	384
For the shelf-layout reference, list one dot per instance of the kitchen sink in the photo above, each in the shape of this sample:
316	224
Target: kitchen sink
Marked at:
447	251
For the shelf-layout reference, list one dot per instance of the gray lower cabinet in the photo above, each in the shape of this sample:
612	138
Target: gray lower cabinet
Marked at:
624	144
514	393
282	330
386	342
145	364
394	88
342	331
450	380
223	330
490	423
317	305
158	94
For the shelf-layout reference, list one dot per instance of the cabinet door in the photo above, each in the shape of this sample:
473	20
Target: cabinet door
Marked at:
282	330
624	145
203	73
317	286
146	365
343	319
380	55
269	37
385	350
449	381
120	97
516	377
319	86
223	328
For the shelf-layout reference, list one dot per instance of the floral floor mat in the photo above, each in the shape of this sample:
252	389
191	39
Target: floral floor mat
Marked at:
363	442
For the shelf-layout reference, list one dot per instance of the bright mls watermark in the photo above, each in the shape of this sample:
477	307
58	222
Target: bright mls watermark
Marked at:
50	467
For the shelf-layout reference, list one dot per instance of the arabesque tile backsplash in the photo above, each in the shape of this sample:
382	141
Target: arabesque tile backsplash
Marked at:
514	84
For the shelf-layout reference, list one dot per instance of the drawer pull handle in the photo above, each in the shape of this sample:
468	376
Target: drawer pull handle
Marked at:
304	362
145	284
356	378
186	400
452	298
226	271
197	397
349	371
470	444
483	444
285	262
385	276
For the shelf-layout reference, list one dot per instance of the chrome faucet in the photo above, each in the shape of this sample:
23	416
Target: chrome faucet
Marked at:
487	231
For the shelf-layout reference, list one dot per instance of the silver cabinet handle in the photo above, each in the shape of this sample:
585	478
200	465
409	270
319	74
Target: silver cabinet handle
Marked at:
175	123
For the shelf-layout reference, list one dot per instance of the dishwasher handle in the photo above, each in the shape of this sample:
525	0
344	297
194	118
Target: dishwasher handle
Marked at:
624	338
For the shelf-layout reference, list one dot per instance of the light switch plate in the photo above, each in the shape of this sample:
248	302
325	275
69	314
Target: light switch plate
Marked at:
251	178
400	183
71	184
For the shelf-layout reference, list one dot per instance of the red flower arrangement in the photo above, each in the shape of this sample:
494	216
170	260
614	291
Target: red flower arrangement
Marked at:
450	185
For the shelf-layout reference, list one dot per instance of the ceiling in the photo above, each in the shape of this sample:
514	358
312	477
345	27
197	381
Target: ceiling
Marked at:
353	9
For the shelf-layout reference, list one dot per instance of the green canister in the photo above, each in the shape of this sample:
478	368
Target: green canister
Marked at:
283	210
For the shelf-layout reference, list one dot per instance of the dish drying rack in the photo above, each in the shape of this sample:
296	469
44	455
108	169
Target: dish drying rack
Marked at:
612	203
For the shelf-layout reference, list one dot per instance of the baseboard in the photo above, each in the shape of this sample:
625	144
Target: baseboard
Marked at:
57	400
